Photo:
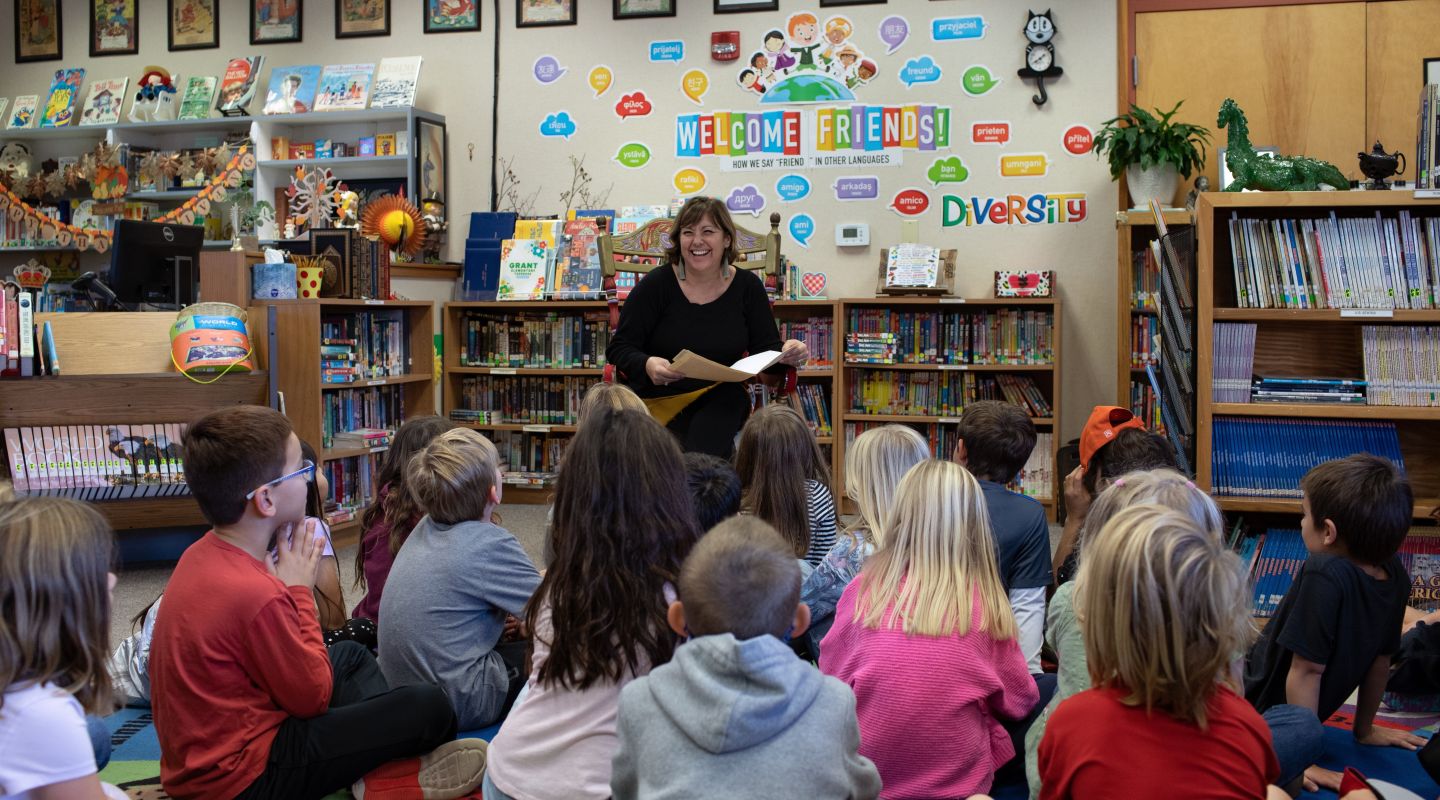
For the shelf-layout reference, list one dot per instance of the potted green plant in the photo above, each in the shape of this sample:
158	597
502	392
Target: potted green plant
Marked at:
1152	151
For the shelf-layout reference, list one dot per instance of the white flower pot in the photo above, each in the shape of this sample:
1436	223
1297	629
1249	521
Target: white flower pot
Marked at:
1159	183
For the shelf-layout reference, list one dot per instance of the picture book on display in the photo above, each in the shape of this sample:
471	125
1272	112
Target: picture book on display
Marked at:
525	265
237	86
292	89
395	82
64	94
26	107
344	87
577	266
195	102
4	104
102	106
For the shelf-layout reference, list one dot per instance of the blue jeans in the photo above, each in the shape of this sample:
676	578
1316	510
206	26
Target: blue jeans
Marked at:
99	739
1298	739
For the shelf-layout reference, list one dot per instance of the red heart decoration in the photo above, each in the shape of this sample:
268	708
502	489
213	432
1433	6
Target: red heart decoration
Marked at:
813	284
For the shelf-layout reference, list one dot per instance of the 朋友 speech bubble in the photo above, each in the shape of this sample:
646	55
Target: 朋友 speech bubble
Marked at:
547	69
894	31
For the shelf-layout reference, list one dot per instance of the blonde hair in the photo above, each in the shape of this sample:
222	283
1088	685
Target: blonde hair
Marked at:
55	558
615	396
1163	486
937	560
452	477
777	454
874	465
1169	608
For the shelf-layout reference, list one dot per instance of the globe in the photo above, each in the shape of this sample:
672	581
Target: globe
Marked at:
807	87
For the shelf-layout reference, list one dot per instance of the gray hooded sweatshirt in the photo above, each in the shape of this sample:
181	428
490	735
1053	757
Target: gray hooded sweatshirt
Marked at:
739	718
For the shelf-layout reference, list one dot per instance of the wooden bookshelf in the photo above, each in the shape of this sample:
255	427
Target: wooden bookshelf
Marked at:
1134	231
1302	342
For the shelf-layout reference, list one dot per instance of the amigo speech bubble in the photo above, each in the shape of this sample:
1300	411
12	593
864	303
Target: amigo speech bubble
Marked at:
634	104
919	70
990	132
695	84
802	227
910	202
893	32
1023	165
633	155
859	187
977	80
600	78
558	124
548	70
792	187
746	200
689	181
947	170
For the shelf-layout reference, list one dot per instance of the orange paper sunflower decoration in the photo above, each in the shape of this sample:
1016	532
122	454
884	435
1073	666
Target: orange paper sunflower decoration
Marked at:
396	221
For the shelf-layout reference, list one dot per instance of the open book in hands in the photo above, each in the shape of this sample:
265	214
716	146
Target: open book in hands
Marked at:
693	366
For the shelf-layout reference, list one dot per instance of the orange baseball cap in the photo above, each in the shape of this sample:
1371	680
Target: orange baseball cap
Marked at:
1100	429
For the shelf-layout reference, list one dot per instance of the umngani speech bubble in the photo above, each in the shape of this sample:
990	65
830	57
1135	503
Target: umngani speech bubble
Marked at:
802	227
792	187
633	155
635	104
695	84
990	132
858	187
893	32
1024	165
689	181
600	78
910	202
746	200
547	69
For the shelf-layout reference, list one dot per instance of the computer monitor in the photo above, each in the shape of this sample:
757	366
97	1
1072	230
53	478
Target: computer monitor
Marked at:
155	263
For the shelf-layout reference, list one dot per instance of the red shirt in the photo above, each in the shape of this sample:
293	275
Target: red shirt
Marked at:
1096	746
235	653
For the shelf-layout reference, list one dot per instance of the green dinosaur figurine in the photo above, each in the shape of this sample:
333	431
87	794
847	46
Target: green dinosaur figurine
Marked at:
1252	170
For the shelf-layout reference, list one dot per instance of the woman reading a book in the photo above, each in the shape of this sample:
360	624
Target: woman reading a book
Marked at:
697	301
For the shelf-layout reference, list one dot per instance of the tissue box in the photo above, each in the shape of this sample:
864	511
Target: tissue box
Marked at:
273	281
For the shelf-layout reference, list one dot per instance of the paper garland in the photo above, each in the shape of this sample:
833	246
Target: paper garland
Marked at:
66	234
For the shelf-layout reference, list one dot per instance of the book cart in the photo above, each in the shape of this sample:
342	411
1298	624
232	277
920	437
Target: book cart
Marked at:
1137	285
948	350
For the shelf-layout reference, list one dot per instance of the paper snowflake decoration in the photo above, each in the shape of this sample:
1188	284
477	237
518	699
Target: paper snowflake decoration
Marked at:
312	195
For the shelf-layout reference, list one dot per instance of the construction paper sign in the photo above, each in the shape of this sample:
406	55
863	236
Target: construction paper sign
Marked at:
862	187
1079	140
600	79
919	70
949	29
910	202
695	84
633	155
802	227
633	105
746	200
689	181
947	170
977	80
990	132
792	187
558	124
548	70
668	51
1027	165
893	32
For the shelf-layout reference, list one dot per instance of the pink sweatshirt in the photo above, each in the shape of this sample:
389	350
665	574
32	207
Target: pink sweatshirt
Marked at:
927	705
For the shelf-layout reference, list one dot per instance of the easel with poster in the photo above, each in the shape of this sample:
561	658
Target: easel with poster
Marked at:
916	269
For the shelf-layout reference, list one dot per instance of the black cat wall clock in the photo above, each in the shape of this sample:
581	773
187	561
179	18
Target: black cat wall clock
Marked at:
1040	53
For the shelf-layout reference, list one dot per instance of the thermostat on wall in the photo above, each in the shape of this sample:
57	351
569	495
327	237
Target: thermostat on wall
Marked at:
852	234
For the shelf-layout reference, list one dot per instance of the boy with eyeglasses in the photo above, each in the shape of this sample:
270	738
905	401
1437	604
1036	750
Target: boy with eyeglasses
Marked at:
248	702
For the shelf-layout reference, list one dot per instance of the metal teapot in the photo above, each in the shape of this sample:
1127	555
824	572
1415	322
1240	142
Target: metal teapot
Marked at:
1377	165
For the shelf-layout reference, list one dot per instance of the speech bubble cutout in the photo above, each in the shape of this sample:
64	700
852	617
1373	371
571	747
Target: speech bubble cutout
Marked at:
977	80
600	79
673	51
548	70
949	29
910	202
893	32
1024	165
792	187
802	227
746	200
1078	140
919	70
695	84
558	124
948	170
990	132
635	104
689	181
857	187
633	155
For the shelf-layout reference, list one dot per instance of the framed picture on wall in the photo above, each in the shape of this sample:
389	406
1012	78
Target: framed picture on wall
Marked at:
450	16
430	166
194	24
737	6
634	9
37	30
114	28
824	3
275	21
1432	71
362	18
537	13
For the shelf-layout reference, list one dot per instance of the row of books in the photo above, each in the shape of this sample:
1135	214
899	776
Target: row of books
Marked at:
1144	341
97	462
1402	365
812	400
1246	462
343	410
992	336
362	345
1316	391
18	337
818	333
382	144
555	340
352	486
529	459
1427	140
1275	557
1233	361
523	400
1145	281
942	394
1336	262
1143	404
1036	479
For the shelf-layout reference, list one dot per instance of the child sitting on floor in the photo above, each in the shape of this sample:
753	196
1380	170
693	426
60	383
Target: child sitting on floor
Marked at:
1164	718
734	708
926	640
786	481
454	582
715	488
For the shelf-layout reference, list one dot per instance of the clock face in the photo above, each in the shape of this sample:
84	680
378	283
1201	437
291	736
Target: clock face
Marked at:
1039	58
1039	29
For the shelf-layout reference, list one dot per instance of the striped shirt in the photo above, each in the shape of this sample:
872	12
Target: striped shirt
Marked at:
820	511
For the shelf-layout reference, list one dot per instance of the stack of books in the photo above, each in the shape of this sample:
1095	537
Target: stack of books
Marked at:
1321	391
371	438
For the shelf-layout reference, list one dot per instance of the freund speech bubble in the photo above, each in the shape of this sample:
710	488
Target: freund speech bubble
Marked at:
919	70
